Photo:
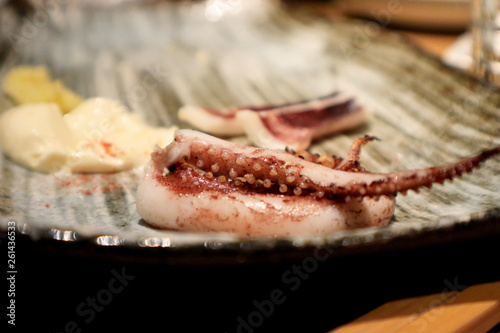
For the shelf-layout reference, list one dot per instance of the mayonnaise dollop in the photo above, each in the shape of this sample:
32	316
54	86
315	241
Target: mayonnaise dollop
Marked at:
99	135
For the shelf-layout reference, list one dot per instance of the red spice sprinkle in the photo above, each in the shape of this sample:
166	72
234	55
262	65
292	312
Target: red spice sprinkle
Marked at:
88	184
111	149
47	205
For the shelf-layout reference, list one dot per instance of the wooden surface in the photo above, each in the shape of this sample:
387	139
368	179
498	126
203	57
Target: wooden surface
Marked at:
435	43
475	309
395	314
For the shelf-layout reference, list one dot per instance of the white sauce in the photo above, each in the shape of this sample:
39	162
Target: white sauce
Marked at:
99	135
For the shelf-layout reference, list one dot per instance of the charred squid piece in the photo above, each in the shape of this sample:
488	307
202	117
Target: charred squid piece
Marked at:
202	183
276	127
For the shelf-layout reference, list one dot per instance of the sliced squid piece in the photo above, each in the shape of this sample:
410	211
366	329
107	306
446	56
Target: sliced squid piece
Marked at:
296	127
221	123
276	127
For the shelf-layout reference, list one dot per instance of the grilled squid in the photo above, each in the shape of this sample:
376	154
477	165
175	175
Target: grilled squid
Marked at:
205	184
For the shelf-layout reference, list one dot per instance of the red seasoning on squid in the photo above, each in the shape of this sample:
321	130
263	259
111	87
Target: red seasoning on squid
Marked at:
202	183
276	127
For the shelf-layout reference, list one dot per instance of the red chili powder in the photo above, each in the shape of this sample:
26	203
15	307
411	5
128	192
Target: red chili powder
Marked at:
111	149
84	183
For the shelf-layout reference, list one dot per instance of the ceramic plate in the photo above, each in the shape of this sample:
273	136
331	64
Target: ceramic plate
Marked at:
160	56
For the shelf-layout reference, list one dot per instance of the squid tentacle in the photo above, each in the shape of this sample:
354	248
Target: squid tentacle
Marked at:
403	181
284	170
351	163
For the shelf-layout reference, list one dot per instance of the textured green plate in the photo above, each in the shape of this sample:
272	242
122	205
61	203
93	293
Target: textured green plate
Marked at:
160	56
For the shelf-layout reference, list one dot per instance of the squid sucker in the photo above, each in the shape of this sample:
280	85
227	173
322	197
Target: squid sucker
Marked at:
200	183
